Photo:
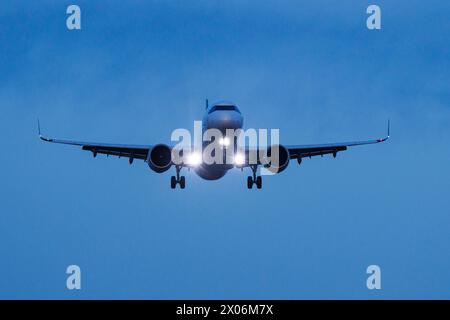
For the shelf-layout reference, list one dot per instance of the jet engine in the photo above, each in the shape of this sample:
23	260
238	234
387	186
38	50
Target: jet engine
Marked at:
159	158
272	163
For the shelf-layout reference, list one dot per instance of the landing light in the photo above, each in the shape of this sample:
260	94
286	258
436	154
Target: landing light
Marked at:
239	159
224	141
194	159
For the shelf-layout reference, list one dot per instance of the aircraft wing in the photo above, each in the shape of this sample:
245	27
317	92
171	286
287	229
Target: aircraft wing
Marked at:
121	150
311	150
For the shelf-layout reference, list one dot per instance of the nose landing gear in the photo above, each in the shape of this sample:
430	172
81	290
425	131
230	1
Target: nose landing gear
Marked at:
254	179
174	180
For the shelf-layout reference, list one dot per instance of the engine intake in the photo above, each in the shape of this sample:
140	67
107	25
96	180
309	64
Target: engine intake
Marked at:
159	158
278	162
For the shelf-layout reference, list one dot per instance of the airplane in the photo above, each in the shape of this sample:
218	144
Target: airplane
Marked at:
221	116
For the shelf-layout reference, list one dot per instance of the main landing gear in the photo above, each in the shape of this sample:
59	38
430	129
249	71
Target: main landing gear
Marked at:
181	180
254	179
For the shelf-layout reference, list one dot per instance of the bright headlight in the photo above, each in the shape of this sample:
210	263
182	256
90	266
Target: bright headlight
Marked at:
194	159
224	141
239	159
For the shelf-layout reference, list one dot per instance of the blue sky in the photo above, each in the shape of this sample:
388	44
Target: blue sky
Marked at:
136	71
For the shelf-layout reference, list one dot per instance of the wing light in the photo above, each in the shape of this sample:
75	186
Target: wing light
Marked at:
194	159
239	159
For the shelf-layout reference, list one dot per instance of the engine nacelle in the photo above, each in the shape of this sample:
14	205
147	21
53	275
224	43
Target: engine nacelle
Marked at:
159	158
273	164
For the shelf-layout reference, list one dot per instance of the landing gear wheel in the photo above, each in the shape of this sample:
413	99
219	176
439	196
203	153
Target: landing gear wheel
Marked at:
173	182
249	182
258	182
182	182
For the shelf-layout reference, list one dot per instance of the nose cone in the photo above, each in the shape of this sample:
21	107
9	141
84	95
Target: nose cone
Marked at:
223	120
224	116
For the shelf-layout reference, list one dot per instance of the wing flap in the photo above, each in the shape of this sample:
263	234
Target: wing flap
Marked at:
119	151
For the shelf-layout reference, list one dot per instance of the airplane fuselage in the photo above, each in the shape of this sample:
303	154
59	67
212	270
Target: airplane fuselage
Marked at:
220	116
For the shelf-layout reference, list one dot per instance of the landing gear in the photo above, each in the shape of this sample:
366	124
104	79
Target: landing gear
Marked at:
254	179
182	182
177	179
249	182
258	182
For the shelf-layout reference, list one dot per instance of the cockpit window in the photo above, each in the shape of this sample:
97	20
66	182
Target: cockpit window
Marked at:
223	108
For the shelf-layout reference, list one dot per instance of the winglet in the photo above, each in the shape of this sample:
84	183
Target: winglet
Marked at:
389	124
40	135
388	132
